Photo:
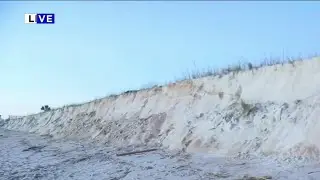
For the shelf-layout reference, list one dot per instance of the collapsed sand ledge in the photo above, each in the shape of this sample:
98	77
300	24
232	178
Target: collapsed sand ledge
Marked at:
270	111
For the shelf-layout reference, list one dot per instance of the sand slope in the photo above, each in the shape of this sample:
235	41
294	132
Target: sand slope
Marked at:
270	111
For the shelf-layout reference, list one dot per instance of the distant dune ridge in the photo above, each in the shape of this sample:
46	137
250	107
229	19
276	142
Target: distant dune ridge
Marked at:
273	110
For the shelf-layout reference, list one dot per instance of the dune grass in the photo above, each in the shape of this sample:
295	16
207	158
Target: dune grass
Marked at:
243	66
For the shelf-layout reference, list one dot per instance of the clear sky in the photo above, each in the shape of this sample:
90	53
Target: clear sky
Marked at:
97	48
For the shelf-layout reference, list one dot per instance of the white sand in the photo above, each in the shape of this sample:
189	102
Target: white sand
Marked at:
30	157
272	113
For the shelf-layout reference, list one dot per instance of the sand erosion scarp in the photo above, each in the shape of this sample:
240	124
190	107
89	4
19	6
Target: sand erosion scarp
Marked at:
270	111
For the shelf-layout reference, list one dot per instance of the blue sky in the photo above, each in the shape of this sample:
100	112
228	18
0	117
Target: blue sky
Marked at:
97	48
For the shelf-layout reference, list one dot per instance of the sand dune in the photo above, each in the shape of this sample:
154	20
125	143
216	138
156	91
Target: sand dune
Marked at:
271	111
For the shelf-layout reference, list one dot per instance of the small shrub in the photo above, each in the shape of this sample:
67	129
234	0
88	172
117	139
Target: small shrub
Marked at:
130	92
45	108
298	101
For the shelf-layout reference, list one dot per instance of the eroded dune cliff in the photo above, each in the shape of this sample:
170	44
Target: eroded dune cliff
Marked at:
269	111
